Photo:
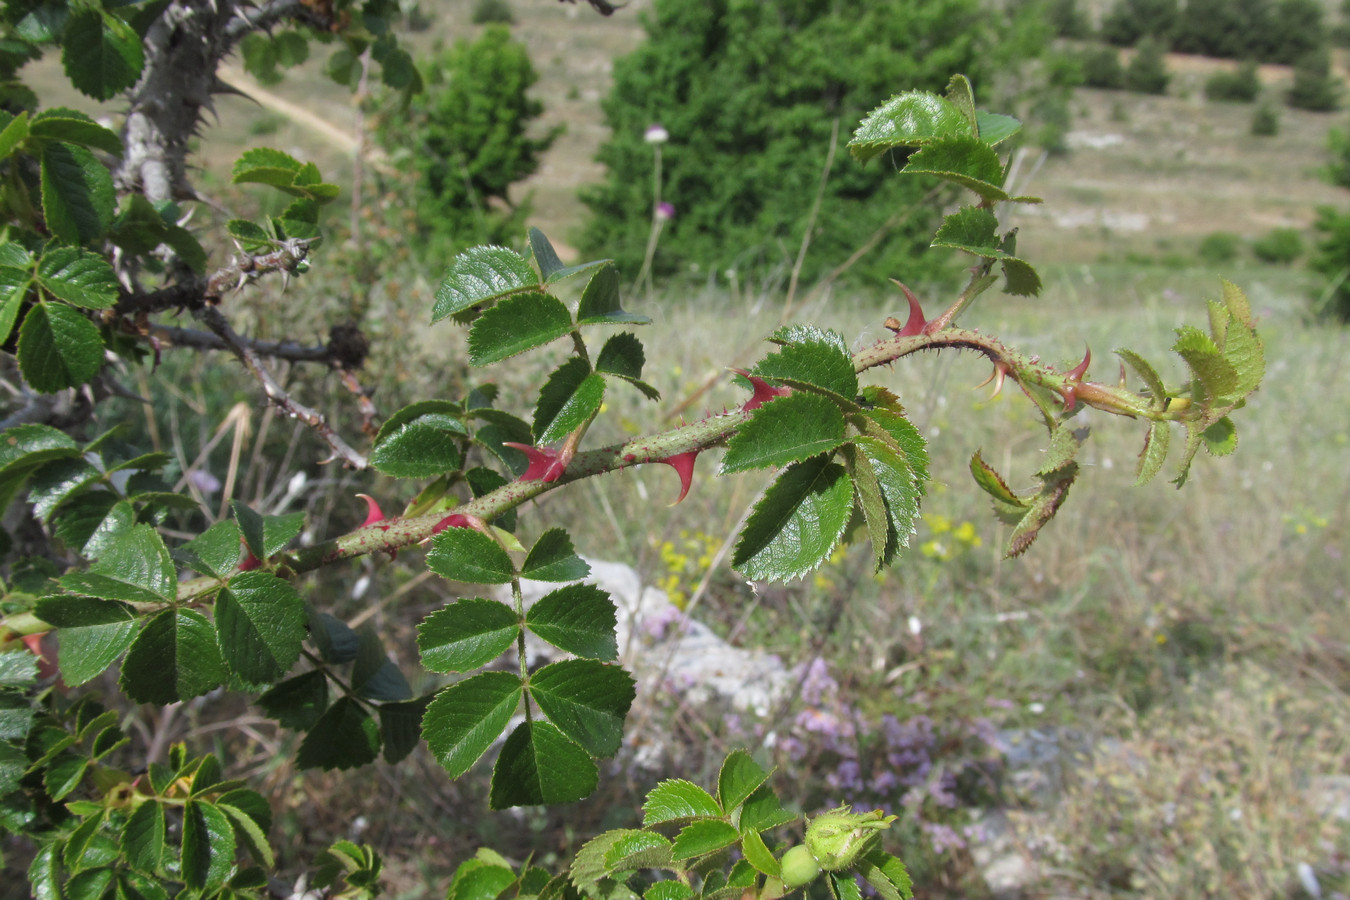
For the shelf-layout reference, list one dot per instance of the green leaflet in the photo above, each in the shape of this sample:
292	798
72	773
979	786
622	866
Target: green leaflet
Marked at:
135	568
260	620
516	324
797	523
345	737
216	551
964	160
175	657
420	441
297	702
569	399
811	358
578	618
208	845
785	430
77	193
739	777
463	554
676	799
703	837
374	675
465	719
401	727
587	700
539	765
78	277
480	275
101	54
59	124
58	348
600	302
466	635
911	119
552	558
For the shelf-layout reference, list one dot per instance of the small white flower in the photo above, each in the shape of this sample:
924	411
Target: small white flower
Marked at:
656	134
915	626
360	587
1035	708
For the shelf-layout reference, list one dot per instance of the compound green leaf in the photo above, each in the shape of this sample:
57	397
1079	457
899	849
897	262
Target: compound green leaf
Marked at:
72	127
401	726
463	554
58	348
539	765
785	430
420	441
261	622
175	657
252	237
813	357
739	777
703	837
587	700
638	850
553	559
600	302
1216	375
911	119
465	719
578	618
570	398
374	675
1146	373
676	799
516	324
297	702
135	567
214	552
480	275
797	523
208	845
77	193
468	634
345	737
101	54
964	160
143	837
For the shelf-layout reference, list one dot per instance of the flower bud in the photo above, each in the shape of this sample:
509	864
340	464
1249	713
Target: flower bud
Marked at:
838	837
799	867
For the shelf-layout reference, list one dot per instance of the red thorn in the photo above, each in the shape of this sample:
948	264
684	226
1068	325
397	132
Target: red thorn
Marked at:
373	512
250	563
34	644
763	391
545	464
683	464
916	322
454	520
1078	371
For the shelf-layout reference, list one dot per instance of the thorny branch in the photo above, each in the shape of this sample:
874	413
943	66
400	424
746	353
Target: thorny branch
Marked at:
198	292
241	348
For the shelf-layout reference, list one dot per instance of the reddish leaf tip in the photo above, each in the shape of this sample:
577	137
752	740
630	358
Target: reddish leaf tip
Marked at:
545	463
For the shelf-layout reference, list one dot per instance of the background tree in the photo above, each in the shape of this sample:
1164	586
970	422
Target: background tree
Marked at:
466	141
1315	88
1147	72
1130	20
750	93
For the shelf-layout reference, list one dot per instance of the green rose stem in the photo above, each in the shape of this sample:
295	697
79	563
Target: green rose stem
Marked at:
392	535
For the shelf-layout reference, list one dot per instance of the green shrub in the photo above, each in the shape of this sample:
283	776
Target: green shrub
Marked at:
1331	258
1279	246
1102	68
486	12
464	142
1220	247
1265	120
1129	21
1241	86
1315	88
749	93
1276	32
1147	72
1067	20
